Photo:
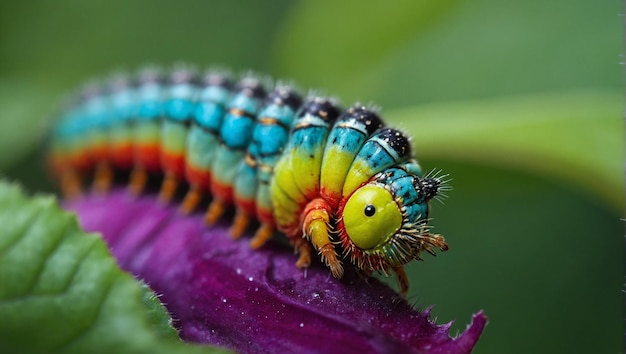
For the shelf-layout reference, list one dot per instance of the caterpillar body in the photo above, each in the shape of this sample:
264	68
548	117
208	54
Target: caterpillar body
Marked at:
335	182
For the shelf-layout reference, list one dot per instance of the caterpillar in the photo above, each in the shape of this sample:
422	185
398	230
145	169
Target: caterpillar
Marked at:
335	182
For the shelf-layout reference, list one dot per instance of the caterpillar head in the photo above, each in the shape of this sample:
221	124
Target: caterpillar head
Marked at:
383	223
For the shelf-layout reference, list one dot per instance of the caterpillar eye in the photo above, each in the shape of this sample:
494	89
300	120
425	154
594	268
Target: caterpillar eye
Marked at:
371	216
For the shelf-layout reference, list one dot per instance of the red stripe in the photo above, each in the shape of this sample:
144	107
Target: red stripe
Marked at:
332	198
247	205
198	177
122	156
173	163
265	215
222	191
148	156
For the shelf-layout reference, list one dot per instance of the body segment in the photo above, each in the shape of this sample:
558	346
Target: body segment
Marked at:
204	136
146	130
121	108
344	143
235	135
179	108
252	182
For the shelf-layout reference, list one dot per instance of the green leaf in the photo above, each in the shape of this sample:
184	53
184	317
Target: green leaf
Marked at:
329	44
26	111
576	136
402	53
61	291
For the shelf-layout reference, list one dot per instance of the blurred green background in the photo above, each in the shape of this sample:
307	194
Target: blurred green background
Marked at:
520	102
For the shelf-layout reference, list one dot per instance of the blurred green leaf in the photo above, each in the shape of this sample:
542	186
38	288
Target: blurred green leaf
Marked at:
575	136
68	41
25	112
543	259
61	291
403	53
326	44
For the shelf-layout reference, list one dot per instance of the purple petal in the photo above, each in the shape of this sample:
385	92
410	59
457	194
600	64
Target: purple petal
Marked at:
221	292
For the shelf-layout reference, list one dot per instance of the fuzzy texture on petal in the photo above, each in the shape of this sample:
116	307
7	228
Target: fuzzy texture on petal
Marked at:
221	292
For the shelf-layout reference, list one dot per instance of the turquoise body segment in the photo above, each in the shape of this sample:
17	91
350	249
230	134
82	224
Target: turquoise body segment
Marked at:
75	134
344	143
406	188
124	110
97	116
96	110
212	99
412	167
201	145
207	117
179	107
124	101
269	138
76	129
235	135
384	149
147	127
182	98
151	94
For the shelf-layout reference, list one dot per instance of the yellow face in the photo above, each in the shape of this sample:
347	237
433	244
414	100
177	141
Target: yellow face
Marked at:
371	216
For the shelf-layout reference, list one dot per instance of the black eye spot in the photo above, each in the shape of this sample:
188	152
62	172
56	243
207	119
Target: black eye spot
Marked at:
370	210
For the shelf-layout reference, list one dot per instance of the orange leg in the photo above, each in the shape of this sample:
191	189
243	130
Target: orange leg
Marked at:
103	178
329	256
215	211
138	180
402	279
240	223
315	228
70	184
263	234
304	250
191	200
168	188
